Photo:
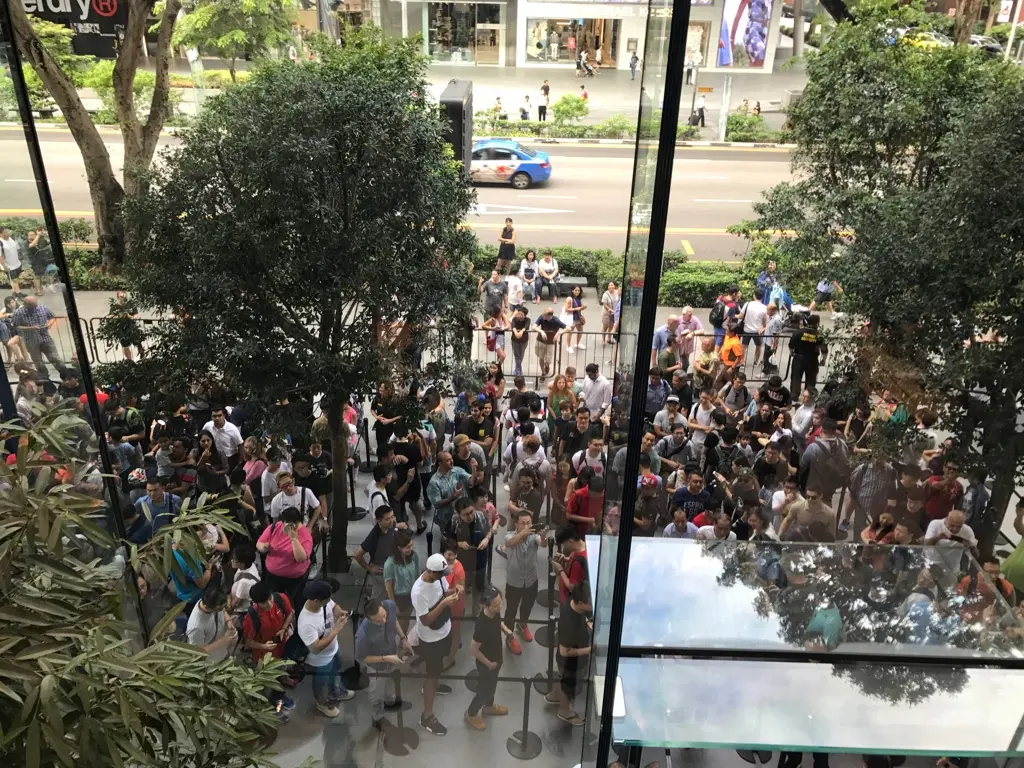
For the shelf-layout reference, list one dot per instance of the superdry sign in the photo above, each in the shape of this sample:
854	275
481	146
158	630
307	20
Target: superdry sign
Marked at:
98	24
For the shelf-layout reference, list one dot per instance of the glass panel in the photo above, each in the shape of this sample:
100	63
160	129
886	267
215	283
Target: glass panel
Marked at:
867	708
452	31
845	598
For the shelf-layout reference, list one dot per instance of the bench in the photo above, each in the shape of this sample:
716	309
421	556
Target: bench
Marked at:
566	284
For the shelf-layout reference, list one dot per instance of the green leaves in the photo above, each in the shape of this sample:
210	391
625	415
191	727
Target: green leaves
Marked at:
234	29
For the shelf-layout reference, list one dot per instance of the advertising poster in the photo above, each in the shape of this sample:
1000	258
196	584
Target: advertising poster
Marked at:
743	40
98	24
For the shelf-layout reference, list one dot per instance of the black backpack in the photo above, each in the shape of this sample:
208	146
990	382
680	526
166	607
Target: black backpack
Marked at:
717	316
254	615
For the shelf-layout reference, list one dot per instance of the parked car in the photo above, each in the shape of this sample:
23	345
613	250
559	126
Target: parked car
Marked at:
927	39
506	161
988	44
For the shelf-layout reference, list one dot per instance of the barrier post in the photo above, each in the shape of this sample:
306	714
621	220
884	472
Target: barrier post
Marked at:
366	466
524	744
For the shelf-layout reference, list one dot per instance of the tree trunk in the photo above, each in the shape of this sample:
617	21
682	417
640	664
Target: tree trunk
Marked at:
231	70
337	556
104	188
967	15
1003	484
990	19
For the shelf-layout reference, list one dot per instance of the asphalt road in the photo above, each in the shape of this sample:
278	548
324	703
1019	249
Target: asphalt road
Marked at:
585	204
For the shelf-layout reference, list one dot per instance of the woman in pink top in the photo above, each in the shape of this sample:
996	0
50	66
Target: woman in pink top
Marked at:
255	459
287	545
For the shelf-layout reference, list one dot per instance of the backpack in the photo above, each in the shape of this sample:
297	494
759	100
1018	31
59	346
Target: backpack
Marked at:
583	463
240	652
836	471
717	315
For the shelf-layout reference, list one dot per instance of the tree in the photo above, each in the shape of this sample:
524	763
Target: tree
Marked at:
75	684
890	140
570	108
311	223
57	39
235	29
140	134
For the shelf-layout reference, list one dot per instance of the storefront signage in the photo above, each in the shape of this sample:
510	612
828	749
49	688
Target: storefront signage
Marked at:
704	89
98	24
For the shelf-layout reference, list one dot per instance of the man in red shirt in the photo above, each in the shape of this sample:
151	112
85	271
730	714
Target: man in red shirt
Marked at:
266	628
571	564
943	493
586	506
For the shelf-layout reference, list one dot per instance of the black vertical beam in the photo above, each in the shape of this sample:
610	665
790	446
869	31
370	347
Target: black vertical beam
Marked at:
50	217
673	79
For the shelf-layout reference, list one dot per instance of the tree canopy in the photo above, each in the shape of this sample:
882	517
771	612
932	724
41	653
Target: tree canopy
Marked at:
234	29
308	233
906	193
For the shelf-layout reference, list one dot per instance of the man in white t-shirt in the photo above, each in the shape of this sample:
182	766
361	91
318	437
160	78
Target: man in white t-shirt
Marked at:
320	621
268	480
432	602
209	626
377	491
226	436
700	417
592	456
755	318
515	290
303	499
10	255
950	537
720	531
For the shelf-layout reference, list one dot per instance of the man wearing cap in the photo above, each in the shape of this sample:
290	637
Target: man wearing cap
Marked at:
432	602
470	457
320	621
447	484
648	507
667	416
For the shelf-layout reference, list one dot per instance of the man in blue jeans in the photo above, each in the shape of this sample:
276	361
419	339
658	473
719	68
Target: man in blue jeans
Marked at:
320	621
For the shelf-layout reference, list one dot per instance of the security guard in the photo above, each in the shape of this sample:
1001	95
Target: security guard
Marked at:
808	347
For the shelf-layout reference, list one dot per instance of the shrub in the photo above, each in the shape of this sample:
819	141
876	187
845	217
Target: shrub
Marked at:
748	128
697	284
570	108
615	127
100	77
71	230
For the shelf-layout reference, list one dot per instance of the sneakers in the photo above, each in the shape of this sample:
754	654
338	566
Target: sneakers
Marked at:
287	705
346	696
581	345
475	722
495	710
514	646
525	633
329	710
570	350
442	689
432	725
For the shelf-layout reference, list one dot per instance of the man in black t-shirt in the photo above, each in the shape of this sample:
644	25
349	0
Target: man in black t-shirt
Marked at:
775	393
410	445
487	649
575	435
477	428
807	345
548	327
573	650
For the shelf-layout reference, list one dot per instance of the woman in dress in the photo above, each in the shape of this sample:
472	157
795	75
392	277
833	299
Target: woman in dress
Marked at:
528	274
608	302
506	248
574	307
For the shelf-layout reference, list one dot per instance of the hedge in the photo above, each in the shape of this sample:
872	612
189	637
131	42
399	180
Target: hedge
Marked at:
698	283
615	127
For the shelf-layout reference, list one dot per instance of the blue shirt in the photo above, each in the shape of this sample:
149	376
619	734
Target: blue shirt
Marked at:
160	515
671	532
378	639
656	397
660	339
186	588
33	316
691	503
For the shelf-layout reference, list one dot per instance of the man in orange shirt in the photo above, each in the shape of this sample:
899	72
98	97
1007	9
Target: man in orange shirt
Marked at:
732	348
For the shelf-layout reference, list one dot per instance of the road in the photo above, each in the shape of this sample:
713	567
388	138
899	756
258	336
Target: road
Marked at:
586	203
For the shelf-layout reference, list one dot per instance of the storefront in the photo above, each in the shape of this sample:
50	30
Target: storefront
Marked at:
723	34
465	33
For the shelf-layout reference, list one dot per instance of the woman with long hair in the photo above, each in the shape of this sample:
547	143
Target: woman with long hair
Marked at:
528	274
574	307
401	570
385	410
9	336
559	391
211	468
255	456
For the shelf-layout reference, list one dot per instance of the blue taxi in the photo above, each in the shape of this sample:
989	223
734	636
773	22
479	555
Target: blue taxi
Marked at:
506	161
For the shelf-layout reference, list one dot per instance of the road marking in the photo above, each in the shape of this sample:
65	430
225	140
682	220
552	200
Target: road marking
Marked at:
687	248
718	200
548	197
20	181
490	209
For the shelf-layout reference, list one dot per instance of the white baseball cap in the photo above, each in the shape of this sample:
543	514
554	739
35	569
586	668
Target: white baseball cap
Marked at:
437	563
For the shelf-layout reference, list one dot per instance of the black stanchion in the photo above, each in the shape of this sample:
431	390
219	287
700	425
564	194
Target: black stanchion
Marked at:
545	599
524	744
545	636
354	512
366	466
399	740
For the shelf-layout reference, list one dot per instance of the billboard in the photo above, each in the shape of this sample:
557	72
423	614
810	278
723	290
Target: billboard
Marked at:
98	24
743	39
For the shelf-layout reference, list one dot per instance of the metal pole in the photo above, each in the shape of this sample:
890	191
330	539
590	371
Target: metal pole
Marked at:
655	239
46	203
723	115
693	99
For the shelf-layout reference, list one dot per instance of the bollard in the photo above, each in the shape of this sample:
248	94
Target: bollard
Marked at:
545	636
366	466
524	744
354	512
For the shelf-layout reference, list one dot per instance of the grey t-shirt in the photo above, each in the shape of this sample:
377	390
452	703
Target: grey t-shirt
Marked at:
203	628
521	570
494	294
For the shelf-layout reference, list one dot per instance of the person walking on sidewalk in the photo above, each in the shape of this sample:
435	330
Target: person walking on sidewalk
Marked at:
545	99
633	61
486	649
700	109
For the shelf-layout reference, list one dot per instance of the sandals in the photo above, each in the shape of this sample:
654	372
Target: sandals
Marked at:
574	720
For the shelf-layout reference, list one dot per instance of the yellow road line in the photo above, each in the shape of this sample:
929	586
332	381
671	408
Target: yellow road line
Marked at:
687	248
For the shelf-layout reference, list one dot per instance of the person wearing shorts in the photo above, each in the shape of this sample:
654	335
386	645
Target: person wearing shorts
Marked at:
825	294
573	652
432	602
548	328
